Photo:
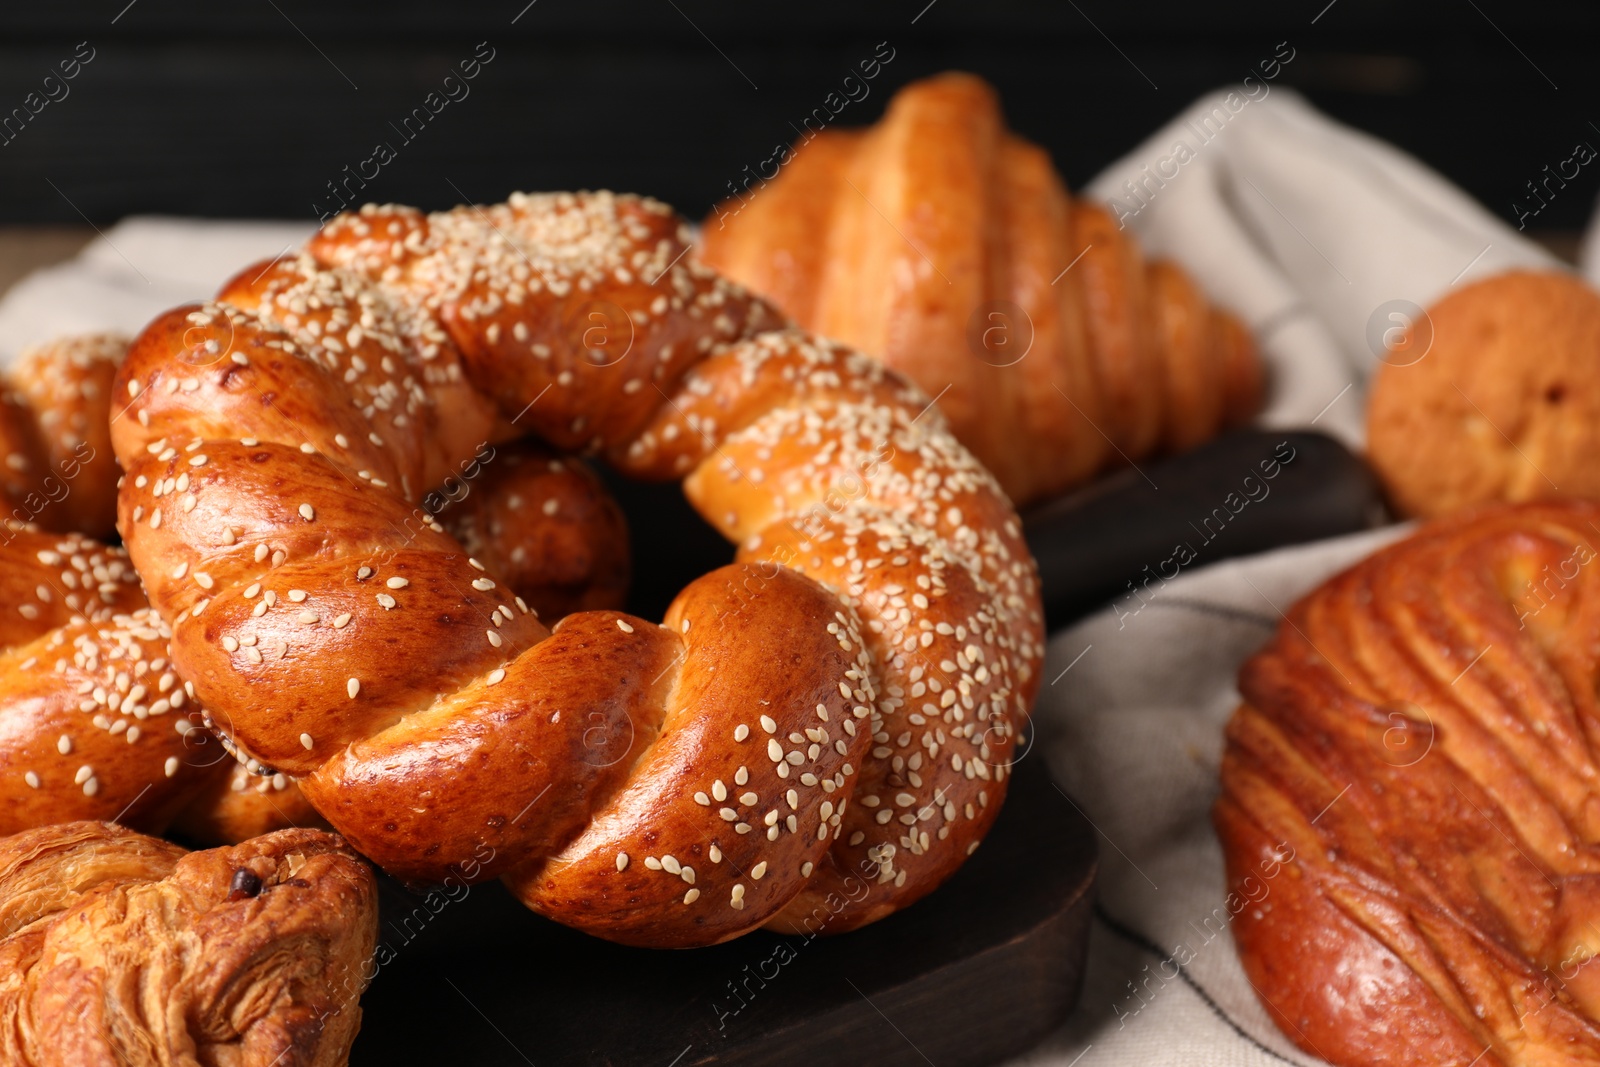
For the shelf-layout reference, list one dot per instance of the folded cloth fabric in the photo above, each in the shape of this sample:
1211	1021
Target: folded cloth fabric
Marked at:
1589	248
130	274
1131	724
1319	235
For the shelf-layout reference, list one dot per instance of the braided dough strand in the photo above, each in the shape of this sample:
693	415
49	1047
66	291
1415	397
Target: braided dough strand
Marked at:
826	723
97	723
56	466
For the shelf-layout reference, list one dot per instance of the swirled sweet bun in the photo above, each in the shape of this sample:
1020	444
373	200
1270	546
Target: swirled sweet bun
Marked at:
1410	794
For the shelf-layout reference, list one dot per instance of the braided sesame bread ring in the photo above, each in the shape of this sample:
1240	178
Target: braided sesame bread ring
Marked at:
546	525
816	735
94	721
116	948
55	438
238	804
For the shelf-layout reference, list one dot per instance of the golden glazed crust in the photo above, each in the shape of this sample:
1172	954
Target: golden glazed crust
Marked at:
941	243
1503	405
1410	803
547	525
95	722
830	717
57	470
116	948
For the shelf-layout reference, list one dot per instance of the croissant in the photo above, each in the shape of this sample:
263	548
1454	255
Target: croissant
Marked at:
947	246
116	948
58	472
815	736
1410	794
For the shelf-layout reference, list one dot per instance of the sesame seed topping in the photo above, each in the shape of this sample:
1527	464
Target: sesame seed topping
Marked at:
741	732
397	583
307	512
622	861
768	724
497	676
353	686
624	627
342	621
306	742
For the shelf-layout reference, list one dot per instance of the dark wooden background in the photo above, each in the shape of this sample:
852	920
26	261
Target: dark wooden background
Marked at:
250	108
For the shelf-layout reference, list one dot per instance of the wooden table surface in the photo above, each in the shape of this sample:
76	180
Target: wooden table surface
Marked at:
27	248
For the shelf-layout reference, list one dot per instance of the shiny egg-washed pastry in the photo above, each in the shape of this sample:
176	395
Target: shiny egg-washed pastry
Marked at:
1496	396
948	247
1410	803
121	949
57	470
821	729
94	720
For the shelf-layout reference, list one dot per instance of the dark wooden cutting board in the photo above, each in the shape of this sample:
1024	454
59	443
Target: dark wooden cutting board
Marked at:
980	970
